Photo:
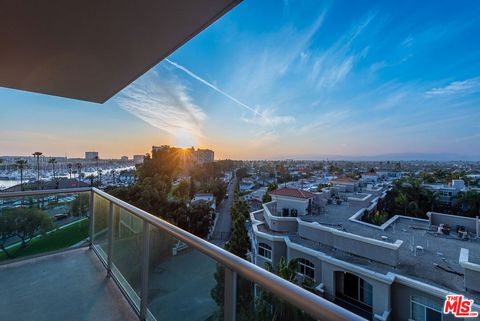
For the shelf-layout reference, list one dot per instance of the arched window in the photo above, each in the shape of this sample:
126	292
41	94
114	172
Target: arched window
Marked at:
305	267
357	288
265	250
423	309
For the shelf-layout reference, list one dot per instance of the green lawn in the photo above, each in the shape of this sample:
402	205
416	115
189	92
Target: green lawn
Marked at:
56	240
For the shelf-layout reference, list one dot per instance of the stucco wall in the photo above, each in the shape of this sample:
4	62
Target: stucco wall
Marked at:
472	280
369	248
453	220
401	302
279	249
293	254
300	205
316	233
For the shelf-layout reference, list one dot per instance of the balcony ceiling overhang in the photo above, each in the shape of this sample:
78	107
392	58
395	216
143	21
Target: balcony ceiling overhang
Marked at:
90	50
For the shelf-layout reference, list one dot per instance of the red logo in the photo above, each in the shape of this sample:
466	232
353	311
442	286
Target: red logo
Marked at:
459	306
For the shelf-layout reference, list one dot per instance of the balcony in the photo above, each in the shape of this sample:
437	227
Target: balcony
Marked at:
108	260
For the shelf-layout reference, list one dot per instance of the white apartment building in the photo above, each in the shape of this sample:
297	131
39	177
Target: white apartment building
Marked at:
345	184
399	271
292	202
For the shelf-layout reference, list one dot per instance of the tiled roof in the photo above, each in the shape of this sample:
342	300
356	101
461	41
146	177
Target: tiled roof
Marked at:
292	192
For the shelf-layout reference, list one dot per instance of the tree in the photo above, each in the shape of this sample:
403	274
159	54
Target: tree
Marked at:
266	197
23	223
21	165
112	172
164	162
241	173
53	161
200	219
432	198
378	218
99	176
239	242
69	166
269	307
79	172
470	201
239	245
80	205
402	201
182	191
37	156
321	186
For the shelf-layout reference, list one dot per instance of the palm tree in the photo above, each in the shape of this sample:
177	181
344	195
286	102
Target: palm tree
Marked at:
21	165
278	309
432	197
470	201
69	166
37	155
53	161
113	175
99	171
79	172
402	200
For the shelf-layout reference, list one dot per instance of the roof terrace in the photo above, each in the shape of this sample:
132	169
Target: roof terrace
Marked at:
423	253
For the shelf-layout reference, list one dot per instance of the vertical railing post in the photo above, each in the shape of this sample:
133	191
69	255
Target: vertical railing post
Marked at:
230	290
110	238
90	224
144	276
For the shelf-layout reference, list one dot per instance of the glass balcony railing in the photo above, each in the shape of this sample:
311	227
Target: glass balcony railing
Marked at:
165	272
32	223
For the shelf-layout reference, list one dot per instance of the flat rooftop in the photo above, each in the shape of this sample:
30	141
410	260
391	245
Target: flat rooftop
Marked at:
441	250
71	285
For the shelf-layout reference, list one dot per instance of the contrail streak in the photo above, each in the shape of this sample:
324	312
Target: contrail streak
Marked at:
203	81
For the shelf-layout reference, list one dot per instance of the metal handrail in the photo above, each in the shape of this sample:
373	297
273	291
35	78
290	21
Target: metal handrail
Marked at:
309	302
45	191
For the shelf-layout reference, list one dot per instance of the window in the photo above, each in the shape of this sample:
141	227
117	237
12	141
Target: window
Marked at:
366	292
305	267
358	289
265	250
423	309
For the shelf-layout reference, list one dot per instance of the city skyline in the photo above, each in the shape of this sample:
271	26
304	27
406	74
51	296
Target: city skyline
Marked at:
310	81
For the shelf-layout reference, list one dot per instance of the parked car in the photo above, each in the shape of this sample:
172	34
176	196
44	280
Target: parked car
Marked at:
58	217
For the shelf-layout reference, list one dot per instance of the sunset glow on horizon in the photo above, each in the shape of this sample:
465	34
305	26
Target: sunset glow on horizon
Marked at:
275	80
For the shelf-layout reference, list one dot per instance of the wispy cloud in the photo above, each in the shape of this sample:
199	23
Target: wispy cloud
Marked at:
334	64
273	118
457	87
205	82
164	103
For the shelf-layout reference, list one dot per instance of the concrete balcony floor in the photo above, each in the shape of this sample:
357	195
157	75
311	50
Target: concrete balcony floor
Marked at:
70	285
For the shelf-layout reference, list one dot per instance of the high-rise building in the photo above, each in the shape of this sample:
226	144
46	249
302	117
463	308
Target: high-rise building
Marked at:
138	159
91	155
200	156
124	158
204	155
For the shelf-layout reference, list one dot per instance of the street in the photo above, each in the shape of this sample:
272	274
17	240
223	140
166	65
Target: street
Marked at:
223	226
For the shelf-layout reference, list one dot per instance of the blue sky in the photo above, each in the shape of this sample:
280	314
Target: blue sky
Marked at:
296	79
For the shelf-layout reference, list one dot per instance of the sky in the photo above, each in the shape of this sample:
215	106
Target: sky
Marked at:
284	79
